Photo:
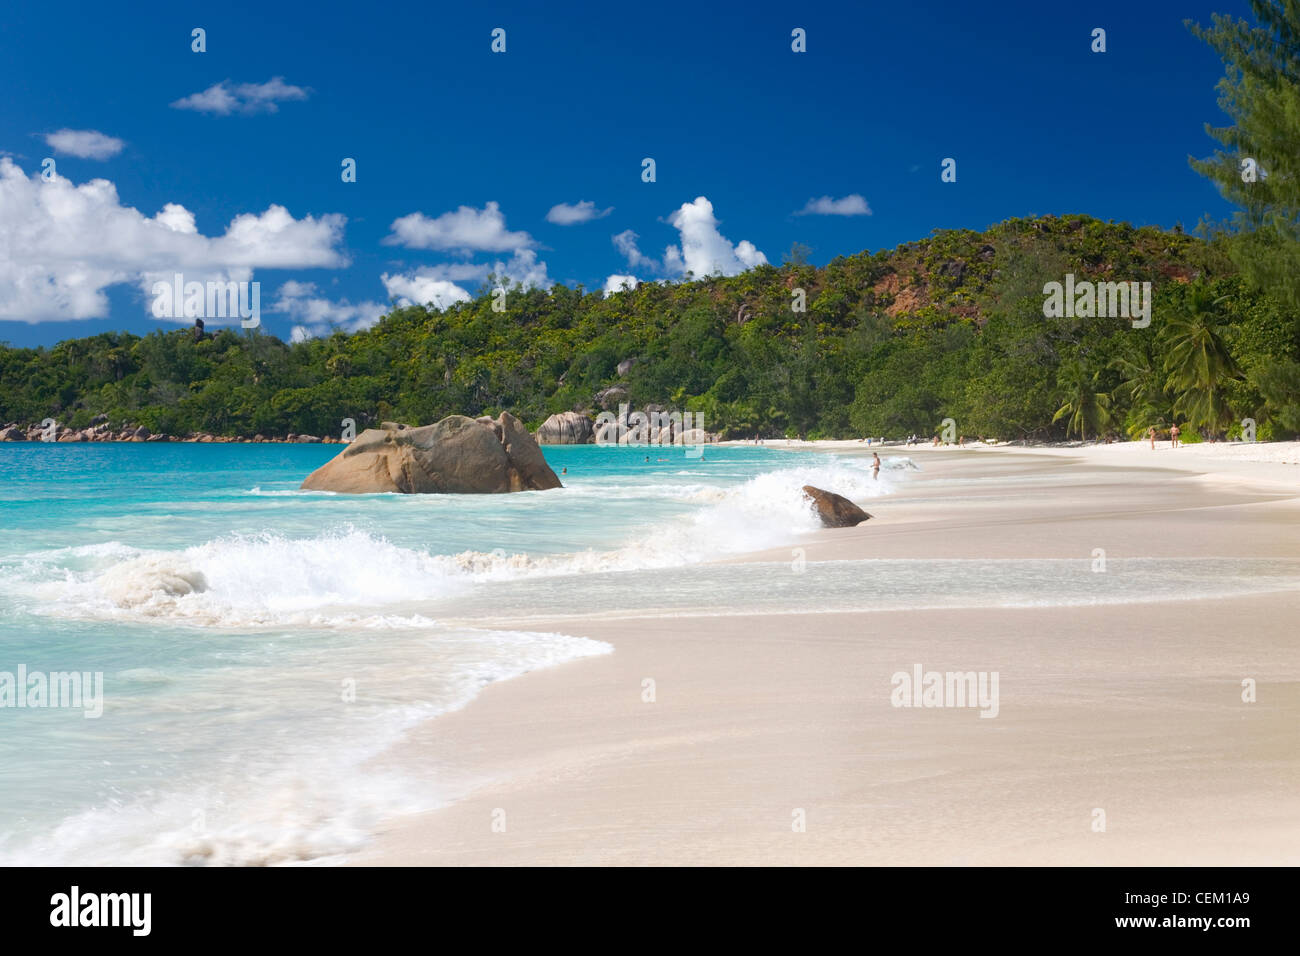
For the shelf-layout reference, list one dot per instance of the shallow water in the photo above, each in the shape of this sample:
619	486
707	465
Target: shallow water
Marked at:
258	644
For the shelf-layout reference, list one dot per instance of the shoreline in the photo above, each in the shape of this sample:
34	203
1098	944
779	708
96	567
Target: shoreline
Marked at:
1131	706
169	440
1277	452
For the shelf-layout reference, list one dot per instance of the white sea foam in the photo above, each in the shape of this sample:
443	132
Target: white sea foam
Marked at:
356	578
242	580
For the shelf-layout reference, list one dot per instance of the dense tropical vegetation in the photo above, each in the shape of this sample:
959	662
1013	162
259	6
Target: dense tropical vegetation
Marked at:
888	343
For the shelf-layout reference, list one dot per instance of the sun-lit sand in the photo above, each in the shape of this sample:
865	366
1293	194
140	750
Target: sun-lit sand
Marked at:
1128	715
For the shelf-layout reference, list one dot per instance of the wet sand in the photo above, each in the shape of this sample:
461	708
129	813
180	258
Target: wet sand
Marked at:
772	739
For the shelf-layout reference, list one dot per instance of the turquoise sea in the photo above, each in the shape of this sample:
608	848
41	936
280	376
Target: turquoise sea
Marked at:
259	645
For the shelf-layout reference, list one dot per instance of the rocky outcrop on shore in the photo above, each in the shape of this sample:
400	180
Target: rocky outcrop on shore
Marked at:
102	432
576	428
566	428
835	511
457	455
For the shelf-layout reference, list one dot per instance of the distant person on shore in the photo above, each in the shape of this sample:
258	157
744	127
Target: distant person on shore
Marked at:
936	441
1173	437
1151	433
875	466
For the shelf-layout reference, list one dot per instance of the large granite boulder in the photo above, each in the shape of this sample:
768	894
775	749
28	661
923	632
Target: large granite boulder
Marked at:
566	428
528	468
457	455
609	398
836	511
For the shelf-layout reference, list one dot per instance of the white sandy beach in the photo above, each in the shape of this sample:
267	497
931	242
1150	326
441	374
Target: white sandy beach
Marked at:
1131	709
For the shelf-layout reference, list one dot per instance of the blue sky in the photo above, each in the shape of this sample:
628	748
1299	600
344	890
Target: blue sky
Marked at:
468	151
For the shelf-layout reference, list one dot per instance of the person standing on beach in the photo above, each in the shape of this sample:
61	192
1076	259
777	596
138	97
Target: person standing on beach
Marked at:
1151	433
875	466
1173	437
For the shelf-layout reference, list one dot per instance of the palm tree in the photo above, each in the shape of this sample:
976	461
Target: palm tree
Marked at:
1198	361
1144	384
1084	408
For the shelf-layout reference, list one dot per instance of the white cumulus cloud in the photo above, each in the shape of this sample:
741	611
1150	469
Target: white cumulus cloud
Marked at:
438	283
84	143
625	242
465	230
620	283
565	214
63	245
316	315
850	205
423	287
225	98
704	250
523	268
455	271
